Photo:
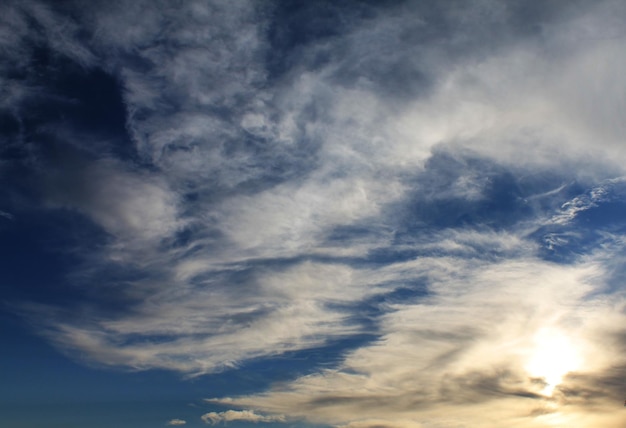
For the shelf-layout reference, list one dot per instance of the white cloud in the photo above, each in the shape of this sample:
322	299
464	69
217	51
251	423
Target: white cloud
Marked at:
602	193
237	327
175	422
257	223
447	358
172	107
240	415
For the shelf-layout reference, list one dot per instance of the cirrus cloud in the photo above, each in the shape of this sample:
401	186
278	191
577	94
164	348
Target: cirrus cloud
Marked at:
270	180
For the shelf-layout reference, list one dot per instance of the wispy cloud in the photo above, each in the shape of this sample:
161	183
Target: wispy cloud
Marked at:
469	345
280	183
176	422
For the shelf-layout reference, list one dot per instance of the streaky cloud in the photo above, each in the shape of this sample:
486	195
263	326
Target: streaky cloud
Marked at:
270	178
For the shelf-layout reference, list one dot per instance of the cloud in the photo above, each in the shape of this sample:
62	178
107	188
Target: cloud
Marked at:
124	203
380	423
238	327
240	415
287	183
467	347
46	26
176	422
606	192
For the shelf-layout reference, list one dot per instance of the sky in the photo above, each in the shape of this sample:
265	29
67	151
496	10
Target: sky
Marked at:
312	214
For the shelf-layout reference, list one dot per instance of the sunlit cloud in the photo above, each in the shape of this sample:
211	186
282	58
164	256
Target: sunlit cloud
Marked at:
512	333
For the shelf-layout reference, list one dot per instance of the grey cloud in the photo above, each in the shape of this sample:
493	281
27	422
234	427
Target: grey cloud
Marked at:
13	32
61	33
28	26
201	78
126	204
481	386
33	22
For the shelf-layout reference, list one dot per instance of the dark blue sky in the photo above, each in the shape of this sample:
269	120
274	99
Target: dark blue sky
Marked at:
312	213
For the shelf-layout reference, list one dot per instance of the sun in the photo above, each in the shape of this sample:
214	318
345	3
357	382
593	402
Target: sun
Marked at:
553	356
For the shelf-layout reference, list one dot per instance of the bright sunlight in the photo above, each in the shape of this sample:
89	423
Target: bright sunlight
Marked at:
553	357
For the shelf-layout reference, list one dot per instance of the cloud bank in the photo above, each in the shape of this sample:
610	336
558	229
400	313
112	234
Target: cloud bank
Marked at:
250	180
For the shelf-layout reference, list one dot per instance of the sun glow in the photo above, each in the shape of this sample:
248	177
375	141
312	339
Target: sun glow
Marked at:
553	357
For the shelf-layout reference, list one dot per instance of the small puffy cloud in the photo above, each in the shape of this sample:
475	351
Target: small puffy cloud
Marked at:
175	422
240	415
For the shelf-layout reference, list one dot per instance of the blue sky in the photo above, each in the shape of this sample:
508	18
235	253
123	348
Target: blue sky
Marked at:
347	214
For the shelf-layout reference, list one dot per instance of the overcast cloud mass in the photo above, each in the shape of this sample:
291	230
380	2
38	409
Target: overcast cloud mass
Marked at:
424	199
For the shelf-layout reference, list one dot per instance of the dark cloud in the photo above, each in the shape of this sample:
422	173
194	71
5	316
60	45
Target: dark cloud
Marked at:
482	386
